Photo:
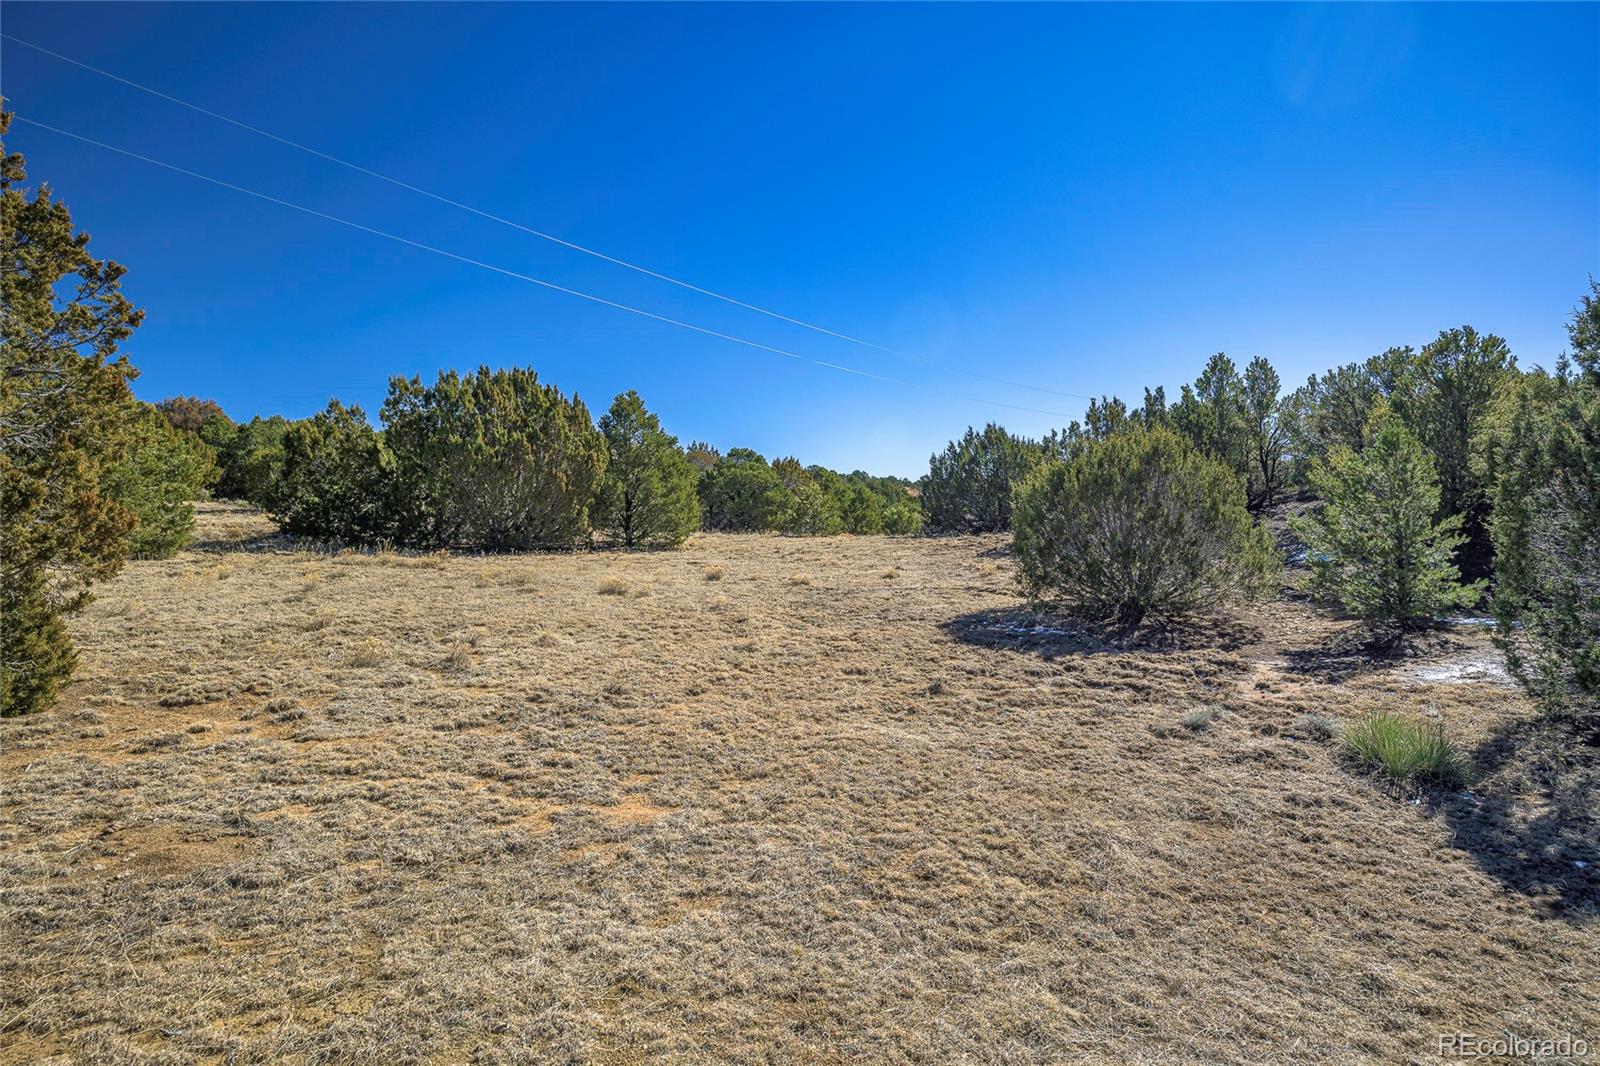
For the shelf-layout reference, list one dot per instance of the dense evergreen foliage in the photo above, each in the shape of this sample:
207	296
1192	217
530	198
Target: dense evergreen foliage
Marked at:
1543	460
493	460
336	480
1375	546
65	410
649	497
968	486
1138	525
163	470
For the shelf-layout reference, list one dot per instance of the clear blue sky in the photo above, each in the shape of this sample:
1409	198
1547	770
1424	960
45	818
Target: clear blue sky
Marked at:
1088	199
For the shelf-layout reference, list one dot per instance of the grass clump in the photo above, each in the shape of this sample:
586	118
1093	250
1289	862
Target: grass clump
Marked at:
715	573
612	585
1199	719
1406	751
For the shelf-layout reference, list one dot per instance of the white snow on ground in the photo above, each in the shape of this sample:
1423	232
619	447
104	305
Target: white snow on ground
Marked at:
1484	667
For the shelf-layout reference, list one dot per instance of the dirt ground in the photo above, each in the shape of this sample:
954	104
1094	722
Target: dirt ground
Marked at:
761	799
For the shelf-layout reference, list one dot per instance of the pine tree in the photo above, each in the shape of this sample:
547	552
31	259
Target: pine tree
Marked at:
648	497
1375	546
159	477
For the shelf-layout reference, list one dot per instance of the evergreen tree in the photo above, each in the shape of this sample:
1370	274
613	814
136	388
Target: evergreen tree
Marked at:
64	409
1211	413
492	460
1376	546
860	509
811	511
252	461
1544	462
743	494
648	497
1445	404
337	480
968	485
160	475
1266	432
1328	412
1139	525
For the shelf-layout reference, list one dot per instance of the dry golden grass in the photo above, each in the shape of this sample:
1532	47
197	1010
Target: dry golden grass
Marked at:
479	812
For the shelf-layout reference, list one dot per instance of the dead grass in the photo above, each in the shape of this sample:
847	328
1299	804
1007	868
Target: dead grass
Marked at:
899	822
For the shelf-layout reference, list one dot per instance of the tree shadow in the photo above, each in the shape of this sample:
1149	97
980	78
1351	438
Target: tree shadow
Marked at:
1052	635
256	544
1360	649
1533	822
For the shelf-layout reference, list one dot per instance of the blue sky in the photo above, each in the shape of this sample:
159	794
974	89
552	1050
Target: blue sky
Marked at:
1085	199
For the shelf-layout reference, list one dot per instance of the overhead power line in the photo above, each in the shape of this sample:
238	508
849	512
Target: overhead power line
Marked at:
539	233
842	368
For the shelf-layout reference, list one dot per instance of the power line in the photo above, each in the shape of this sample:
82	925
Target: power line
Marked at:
842	368
538	233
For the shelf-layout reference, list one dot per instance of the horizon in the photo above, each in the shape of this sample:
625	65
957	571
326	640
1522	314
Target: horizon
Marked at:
1310	184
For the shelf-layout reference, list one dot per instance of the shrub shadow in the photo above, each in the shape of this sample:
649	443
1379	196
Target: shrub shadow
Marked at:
1052	635
1535	848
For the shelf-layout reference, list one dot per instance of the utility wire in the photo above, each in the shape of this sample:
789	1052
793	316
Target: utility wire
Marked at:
538	233
842	368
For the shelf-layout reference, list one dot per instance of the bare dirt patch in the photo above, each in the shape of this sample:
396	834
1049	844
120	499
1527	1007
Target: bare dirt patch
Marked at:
485	810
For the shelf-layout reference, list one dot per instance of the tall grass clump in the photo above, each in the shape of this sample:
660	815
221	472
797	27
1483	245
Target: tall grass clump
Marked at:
1405	750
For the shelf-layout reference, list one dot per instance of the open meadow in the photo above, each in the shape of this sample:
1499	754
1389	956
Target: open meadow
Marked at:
760	799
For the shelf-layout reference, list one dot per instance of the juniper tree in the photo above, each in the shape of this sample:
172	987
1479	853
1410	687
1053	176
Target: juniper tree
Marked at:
1266	431
968	485
492	460
742	493
1544	462
337	481
648	497
64	408
1444	402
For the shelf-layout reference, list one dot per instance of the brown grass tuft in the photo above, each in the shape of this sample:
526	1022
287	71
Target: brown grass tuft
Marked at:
612	585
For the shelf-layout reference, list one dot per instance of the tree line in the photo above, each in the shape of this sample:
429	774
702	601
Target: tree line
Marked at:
1436	476
495	460
1439	478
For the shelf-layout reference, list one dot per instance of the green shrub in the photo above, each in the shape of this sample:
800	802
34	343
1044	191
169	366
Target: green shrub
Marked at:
969	485
492	460
860	509
337	480
159	477
1374	546
1139	525
648	497
903	518
36	655
1406	751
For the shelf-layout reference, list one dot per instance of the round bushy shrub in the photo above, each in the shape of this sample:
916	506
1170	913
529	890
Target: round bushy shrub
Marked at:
1136	526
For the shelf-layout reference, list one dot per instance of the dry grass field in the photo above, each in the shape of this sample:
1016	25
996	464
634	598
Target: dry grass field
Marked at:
761	799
